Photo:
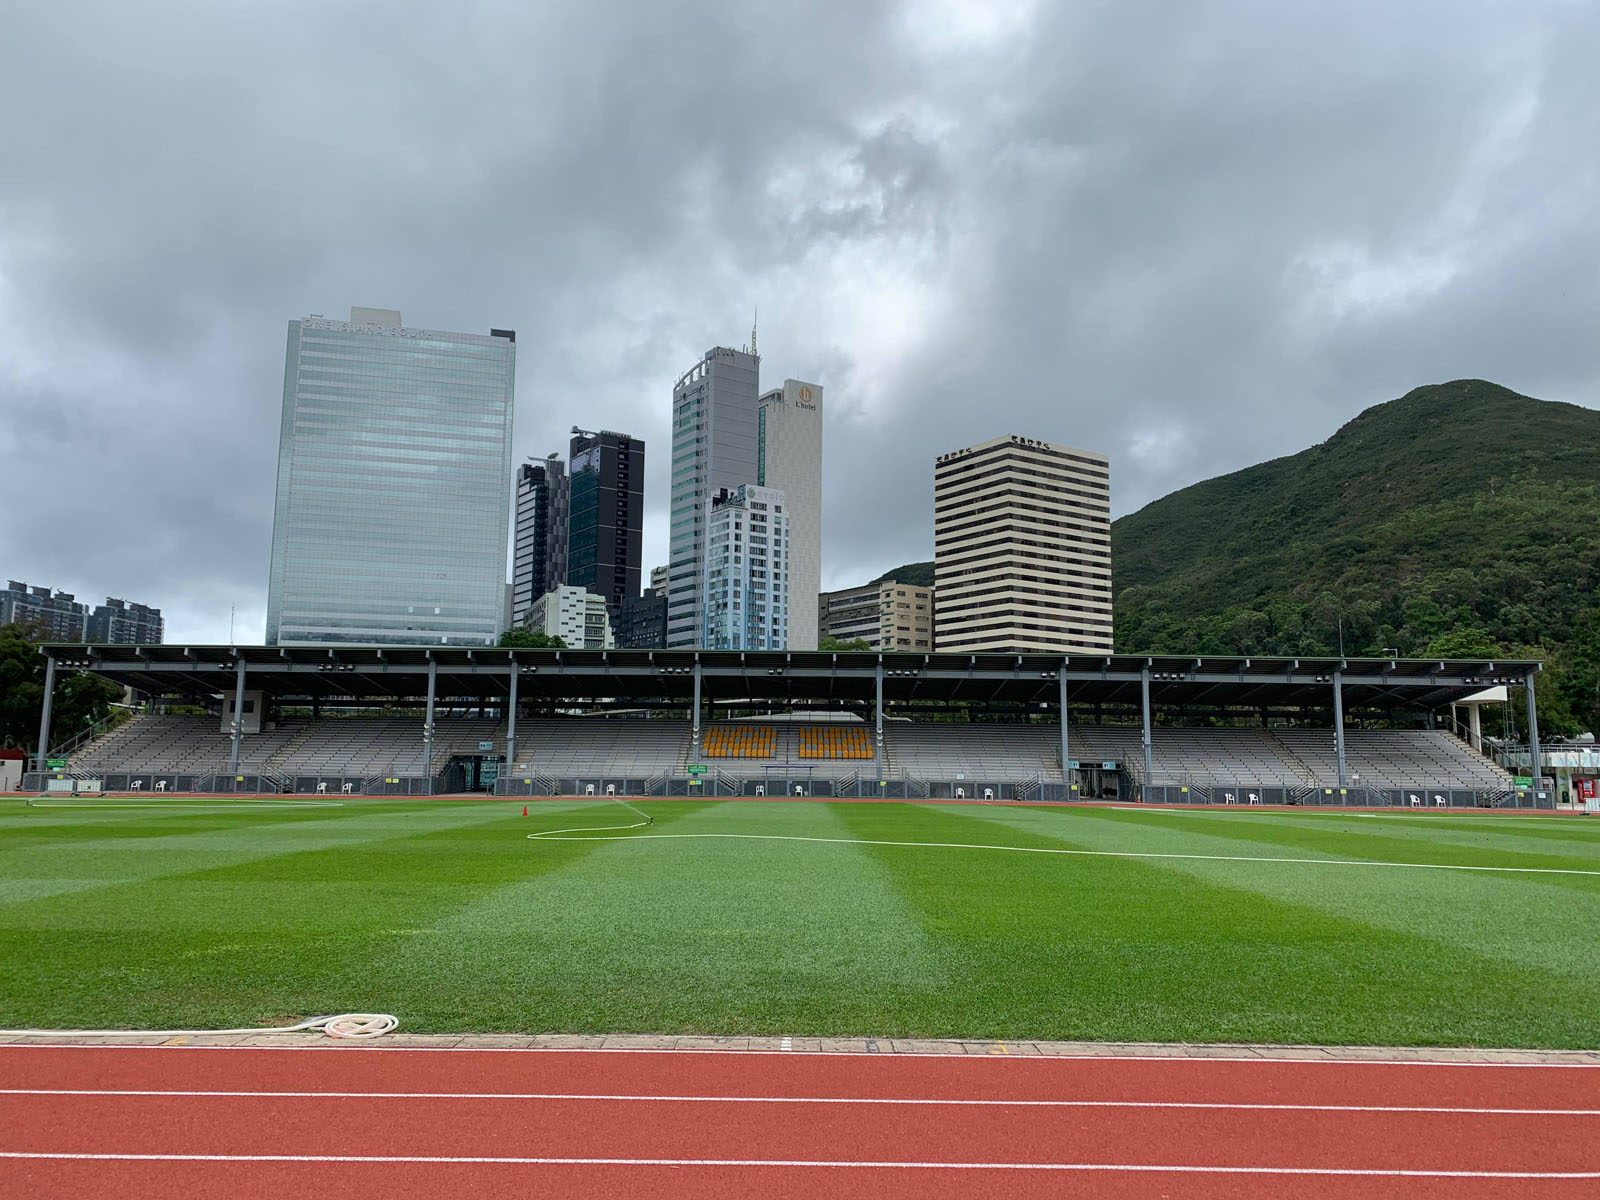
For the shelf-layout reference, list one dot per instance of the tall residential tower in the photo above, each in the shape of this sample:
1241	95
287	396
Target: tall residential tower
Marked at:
394	484
1022	548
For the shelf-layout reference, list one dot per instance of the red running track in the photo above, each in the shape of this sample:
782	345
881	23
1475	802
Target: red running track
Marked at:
364	1121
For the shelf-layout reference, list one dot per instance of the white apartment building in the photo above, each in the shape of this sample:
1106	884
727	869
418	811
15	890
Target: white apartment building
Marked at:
746	582
789	457
887	615
577	617
1022	548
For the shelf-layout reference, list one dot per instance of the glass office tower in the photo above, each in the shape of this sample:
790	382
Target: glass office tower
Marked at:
714	442
394	484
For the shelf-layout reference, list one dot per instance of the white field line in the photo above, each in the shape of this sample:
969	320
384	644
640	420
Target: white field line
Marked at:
844	1163
219	805
1316	862
323	1046
883	1100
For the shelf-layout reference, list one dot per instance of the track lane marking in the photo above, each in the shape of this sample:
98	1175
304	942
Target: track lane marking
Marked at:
1252	858
904	1100
509	1160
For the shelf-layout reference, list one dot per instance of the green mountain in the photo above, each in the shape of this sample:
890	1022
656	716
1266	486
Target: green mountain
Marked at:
918	574
1460	519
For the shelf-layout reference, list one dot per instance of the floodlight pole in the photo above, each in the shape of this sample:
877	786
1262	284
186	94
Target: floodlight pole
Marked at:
237	729
44	713
511	716
877	710
1533	738
1066	774
1144	693
1338	722
427	723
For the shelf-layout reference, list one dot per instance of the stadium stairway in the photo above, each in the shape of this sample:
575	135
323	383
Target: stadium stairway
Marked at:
1300	770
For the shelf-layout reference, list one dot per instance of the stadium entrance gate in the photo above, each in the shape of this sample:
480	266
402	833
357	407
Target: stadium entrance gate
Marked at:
472	772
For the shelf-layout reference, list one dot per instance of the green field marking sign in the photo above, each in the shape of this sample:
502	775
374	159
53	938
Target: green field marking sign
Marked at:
55	764
1519	781
696	768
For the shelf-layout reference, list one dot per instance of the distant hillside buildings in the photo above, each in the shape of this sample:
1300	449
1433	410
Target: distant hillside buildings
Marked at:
887	615
63	619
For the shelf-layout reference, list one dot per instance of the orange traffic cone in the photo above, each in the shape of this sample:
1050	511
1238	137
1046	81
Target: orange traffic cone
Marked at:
524	810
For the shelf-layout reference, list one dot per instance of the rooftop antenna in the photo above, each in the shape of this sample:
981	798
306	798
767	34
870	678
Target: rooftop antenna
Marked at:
754	319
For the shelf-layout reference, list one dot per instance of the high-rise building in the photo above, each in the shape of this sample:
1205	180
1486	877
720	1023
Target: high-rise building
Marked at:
607	517
120	622
715	437
658	579
1022	548
887	615
789	457
394	484
746	584
539	551
643	625
58	616
579	618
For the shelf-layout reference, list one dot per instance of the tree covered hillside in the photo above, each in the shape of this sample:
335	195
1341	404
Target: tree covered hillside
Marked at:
1460	519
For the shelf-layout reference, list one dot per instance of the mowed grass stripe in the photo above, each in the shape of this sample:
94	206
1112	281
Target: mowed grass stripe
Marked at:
691	935
260	939
1530	920
1111	948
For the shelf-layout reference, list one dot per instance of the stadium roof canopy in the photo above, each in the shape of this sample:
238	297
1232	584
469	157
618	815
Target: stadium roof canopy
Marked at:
386	674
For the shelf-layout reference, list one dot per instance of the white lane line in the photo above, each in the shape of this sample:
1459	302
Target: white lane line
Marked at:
1200	1059
1316	862
954	1103
518	1160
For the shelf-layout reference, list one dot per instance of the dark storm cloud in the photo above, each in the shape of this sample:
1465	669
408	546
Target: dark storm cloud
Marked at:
1190	236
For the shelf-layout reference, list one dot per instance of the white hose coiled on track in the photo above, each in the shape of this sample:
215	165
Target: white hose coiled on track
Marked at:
341	1025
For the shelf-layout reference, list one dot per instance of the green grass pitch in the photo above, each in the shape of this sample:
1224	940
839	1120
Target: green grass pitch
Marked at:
153	914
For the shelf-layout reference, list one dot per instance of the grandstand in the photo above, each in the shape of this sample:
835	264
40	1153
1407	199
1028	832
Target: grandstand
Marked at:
838	725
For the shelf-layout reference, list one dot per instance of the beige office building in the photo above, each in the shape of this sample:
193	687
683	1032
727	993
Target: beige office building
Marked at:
1022	548
887	615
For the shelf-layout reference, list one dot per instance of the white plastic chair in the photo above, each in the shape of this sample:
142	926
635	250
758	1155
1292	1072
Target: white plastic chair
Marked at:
961	793
588	789
611	789
798	790
348	788
136	786
161	785
322	788
761	789
988	793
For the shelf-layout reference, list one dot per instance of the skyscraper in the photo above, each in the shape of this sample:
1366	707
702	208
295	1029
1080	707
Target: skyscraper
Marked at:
746	588
1022	548
789	457
539	552
607	517
714	446
394	484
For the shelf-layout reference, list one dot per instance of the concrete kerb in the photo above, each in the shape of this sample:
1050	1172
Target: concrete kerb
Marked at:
701	1043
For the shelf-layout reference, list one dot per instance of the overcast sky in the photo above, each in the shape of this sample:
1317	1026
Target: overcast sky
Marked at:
1190	235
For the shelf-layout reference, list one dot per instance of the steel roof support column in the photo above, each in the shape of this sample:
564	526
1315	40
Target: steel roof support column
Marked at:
237	729
1533	737
511	718
1338	722
695	718
1144	696
1066	773
877	711
44	713
427	724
